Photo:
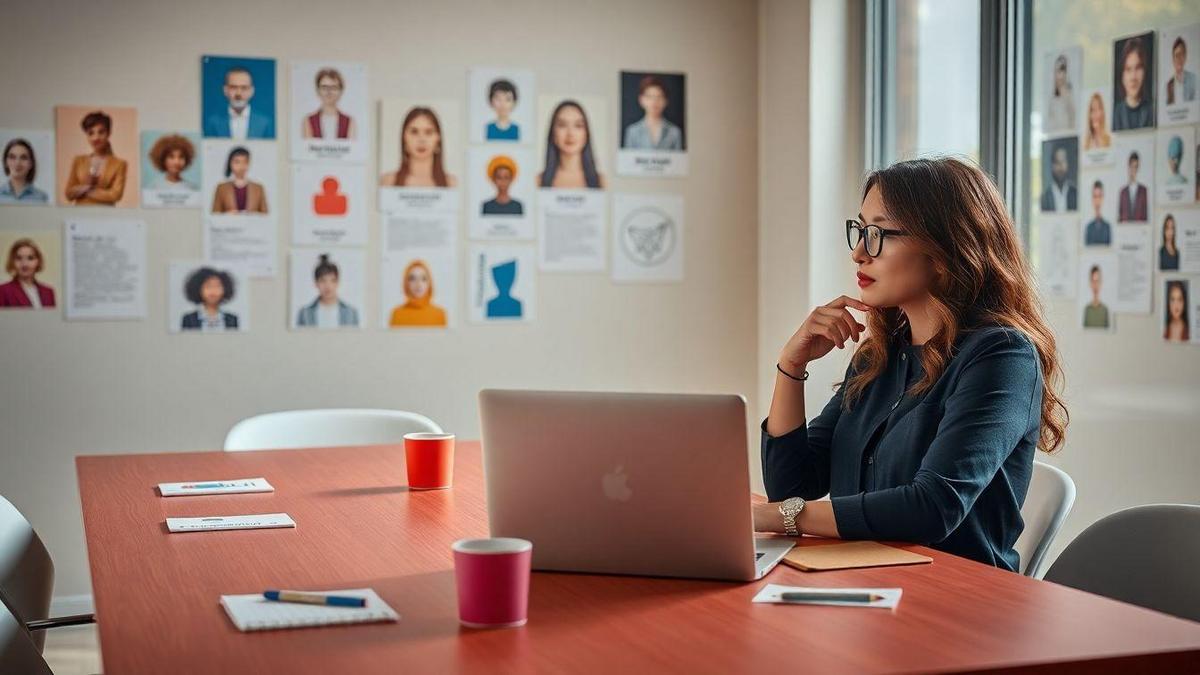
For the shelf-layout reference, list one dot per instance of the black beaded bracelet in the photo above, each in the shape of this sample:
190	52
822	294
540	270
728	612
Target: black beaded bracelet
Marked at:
798	379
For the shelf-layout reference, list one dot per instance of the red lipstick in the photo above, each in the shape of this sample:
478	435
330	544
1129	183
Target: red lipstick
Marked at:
864	280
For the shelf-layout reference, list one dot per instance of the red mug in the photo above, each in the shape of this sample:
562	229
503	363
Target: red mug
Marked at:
492	578
430	460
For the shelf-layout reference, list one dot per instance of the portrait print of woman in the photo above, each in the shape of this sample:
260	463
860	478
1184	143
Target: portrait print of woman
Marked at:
24	262
171	155
1176	327
209	289
20	172
1133	106
418	308
422	153
97	178
570	159
239	194
329	121
502	171
1097	136
327	310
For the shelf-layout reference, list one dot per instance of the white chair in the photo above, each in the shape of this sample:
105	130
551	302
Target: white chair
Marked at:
1049	500
1144	555
27	576
326	428
18	653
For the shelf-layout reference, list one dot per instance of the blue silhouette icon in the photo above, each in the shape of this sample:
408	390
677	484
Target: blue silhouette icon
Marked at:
504	305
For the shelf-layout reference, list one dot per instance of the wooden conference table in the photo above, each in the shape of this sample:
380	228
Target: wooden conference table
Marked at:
357	526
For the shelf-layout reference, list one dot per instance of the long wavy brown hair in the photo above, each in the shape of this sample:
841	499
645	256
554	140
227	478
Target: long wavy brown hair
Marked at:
439	172
956	216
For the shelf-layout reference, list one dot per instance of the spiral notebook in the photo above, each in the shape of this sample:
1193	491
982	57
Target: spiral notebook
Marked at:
254	612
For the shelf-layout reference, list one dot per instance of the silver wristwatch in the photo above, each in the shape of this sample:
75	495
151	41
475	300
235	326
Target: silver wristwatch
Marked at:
790	508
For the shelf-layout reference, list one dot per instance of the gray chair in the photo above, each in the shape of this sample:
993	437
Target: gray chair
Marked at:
18	654
27	576
1144	555
1049	500
326	428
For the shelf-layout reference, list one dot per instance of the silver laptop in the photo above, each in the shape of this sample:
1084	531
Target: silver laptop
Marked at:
610	483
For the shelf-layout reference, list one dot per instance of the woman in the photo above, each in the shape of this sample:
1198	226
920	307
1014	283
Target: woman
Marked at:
1168	253
171	155
1097	136
653	131
239	194
421	153
20	167
502	171
1133	109
328	310
24	262
931	436
570	162
1177	327
1095	313
99	177
419	309
208	289
1060	113
328	121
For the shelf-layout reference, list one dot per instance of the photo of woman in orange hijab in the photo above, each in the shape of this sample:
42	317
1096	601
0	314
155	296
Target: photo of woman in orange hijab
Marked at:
98	177
418	310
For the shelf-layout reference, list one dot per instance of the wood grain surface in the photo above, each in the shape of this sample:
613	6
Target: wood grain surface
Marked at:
358	526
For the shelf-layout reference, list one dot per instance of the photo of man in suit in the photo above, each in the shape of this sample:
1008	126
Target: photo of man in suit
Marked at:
239	120
1133	205
1060	194
1098	232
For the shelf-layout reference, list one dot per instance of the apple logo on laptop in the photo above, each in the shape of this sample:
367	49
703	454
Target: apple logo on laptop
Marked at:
615	484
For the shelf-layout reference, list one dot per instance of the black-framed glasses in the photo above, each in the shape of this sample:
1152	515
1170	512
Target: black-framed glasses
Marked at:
873	234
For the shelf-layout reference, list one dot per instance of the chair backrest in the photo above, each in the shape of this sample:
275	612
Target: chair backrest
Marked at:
1144	555
326	428
1049	500
26	570
18	653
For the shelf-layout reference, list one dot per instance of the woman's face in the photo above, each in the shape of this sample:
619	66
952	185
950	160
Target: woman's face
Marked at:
503	178
329	90
18	162
417	282
570	131
327	287
1132	75
1096	115
26	262
1169	229
421	138
654	101
901	273
1176	302
174	162
211	291
97	137
239	165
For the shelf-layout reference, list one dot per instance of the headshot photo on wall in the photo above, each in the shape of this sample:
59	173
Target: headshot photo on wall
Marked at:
500	105
1060	172
1177	311
1168	244
418	287
1063	77
1176	147
329	119
500	192
237	97
1097	290
328	289
206	298
572	143
97	150
653	124
171	169
1135	172
1133	82
1097	136
32	270
28	167
1178	59
1098	211
419	144
502	283
239	177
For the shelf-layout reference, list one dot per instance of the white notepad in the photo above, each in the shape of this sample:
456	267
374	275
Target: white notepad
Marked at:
772	593
260	521
254	612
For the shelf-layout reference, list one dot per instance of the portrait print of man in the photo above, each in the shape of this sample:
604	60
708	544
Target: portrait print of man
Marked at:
239	119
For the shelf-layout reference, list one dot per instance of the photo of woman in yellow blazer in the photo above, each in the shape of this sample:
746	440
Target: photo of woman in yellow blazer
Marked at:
99	177
239	194
418	309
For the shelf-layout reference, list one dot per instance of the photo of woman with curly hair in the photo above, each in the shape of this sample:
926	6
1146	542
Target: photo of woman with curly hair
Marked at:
209	290
171	171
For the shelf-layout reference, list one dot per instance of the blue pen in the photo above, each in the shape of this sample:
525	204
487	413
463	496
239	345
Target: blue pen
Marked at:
315	599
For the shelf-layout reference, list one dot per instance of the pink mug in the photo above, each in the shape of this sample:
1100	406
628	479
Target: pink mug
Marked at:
492	576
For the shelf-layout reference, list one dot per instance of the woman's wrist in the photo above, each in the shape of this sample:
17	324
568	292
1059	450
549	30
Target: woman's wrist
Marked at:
792	370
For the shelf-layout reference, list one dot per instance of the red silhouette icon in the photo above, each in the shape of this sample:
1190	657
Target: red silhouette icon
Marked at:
330	202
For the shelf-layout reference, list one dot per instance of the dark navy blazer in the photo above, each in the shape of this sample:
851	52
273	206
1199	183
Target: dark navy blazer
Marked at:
948	468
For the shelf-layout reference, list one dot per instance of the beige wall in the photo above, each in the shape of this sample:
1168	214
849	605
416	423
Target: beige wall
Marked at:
113	387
